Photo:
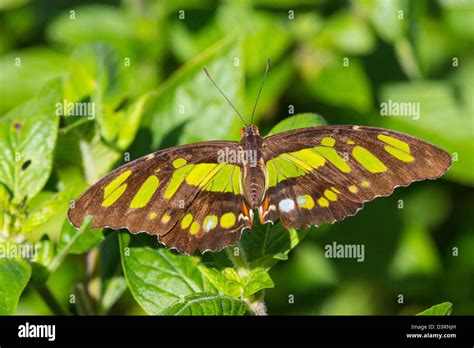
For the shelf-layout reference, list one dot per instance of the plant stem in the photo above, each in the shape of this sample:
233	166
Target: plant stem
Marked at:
51	301
257	308
255	304
238	259
84	301
59	257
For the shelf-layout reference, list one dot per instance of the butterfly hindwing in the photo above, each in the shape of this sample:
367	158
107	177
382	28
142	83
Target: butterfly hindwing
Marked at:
212	222
155	193
327	173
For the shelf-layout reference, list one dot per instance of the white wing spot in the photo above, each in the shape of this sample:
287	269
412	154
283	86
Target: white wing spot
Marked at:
208	226
301	200
286	205
210	222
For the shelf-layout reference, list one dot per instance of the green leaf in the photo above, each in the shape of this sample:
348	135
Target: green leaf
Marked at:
280	256
92	23
462	79
109	260
444	308
4	203
231	283
115	288
276	83
131	119
98	73
258	279
265	241
52	206
188	103
157	278
43	256
27	139
25	72
298	121
416	253
434	45
428	206
206	304
459	16
308	270
14	275
79	241
341	85
354	298
385	16
347	33
11	4
44	251
226	281
74	241
80	151
306	25
254	29
231	273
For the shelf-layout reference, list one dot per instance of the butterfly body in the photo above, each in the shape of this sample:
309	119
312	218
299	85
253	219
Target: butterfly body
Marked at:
201	196
254	171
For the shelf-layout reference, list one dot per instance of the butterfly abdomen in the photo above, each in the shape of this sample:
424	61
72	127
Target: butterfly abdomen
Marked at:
253	180
254	185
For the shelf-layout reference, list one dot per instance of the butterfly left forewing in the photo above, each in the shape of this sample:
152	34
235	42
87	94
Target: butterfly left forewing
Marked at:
327	173
154	193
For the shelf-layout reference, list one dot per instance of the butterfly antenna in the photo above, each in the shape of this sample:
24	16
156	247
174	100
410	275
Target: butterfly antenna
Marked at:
260	90
220	91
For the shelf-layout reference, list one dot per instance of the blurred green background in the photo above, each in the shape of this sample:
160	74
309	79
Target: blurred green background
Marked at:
141	63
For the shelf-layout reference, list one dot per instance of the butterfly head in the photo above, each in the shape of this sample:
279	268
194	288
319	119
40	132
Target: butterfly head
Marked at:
249	131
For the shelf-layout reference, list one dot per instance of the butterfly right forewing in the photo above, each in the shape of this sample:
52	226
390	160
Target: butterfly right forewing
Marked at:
327	173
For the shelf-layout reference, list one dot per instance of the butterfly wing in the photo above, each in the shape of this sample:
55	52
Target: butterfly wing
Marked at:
326	173
185	195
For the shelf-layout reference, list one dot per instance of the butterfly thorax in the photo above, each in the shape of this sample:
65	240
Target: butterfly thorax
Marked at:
253	166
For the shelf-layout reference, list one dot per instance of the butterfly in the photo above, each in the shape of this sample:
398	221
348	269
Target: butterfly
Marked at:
203	195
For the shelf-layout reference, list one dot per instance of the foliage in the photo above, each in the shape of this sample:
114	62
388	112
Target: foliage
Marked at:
444	308
14	275
141	68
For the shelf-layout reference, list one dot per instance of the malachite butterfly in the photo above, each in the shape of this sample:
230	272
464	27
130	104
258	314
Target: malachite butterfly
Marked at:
202	196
